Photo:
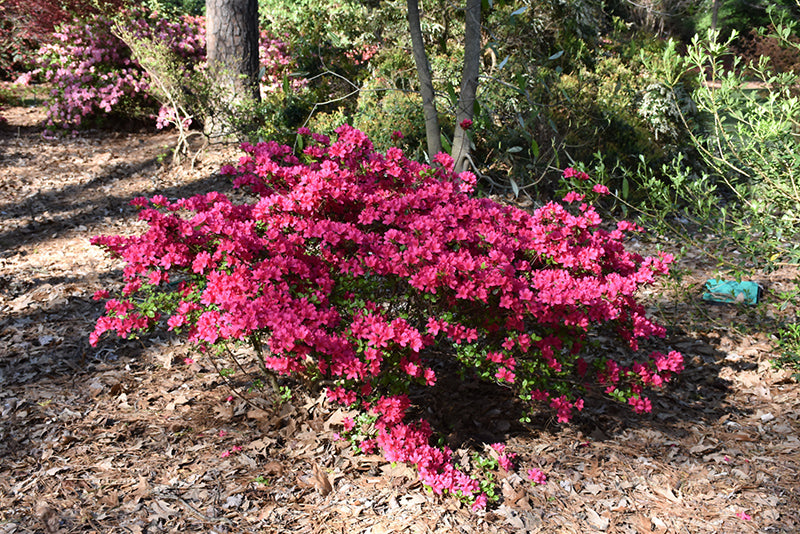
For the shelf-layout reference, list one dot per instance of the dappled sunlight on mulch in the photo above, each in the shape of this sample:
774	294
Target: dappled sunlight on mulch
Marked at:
127	437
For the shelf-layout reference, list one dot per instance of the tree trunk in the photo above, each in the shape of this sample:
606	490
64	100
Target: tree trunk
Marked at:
715	14
469	84
432	129
232	51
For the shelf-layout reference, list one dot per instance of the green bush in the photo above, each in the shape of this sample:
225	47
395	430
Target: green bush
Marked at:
740	16
396	112
733	171
789	344
332	42
747	142
389	101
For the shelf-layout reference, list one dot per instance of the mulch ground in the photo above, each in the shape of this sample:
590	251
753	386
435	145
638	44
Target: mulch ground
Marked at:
126	437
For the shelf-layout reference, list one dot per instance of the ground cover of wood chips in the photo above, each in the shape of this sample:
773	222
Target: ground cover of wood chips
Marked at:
128	438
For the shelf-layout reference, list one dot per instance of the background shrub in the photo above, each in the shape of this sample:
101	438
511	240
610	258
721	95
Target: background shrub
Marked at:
93	76
96	80
26	24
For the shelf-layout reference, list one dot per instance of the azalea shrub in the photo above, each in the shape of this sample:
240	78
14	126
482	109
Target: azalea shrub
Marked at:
362	270
94	73
26	24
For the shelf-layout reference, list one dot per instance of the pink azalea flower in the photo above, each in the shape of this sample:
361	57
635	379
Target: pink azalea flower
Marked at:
480	502
506	461
572	196
600	189
536	476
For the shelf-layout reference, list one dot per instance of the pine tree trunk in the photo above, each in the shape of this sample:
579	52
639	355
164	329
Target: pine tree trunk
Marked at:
232	50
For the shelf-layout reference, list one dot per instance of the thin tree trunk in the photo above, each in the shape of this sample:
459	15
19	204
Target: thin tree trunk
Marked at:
432	128
715	14
469	83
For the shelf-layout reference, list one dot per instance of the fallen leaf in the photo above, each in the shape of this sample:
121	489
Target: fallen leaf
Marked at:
257	413
702	447
596	521
181	399
766	417
399	470
233	501
321	481
49	518
513	496
273	468
667	493
111	499
246	461
594	489
658	525
142	489
265	512
224	411
162	510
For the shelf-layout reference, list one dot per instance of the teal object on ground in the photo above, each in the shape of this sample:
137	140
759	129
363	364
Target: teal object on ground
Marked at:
731	291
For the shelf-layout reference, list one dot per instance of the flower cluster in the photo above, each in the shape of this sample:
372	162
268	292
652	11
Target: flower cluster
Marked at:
536	476
362	54
25	24
351	265
504	459
276	62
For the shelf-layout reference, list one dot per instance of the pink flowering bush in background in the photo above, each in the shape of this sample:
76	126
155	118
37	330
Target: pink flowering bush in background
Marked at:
93	74
276	62
351	265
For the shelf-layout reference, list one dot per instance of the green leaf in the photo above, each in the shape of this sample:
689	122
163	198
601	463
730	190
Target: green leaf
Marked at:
446	146
451	93
534	148
514	186
287	86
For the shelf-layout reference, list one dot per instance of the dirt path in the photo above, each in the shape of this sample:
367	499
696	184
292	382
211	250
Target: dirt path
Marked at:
126	437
